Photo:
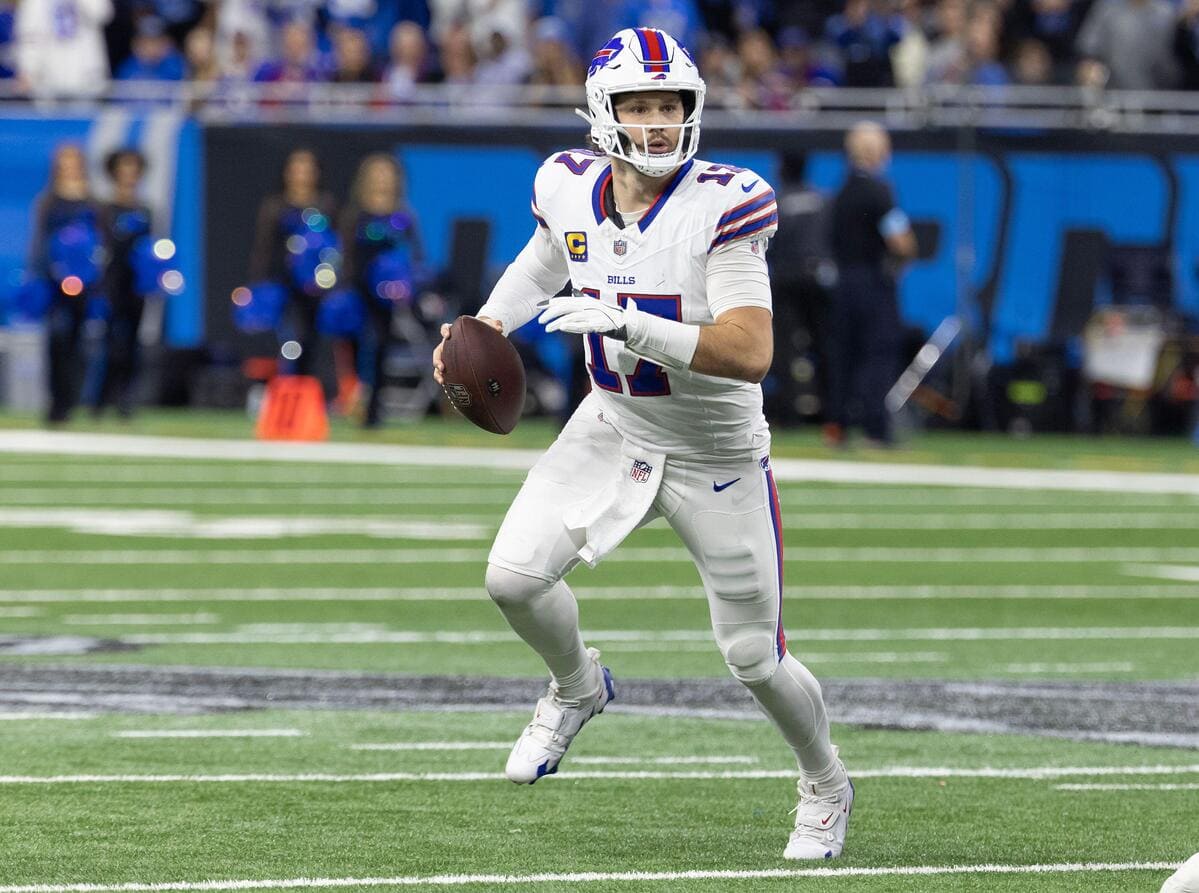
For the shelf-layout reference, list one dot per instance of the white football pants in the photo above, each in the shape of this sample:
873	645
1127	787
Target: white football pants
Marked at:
726	512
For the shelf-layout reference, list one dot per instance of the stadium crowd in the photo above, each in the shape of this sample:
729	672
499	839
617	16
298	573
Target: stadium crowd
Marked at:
754	53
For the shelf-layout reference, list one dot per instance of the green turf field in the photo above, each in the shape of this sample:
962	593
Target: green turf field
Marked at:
378	569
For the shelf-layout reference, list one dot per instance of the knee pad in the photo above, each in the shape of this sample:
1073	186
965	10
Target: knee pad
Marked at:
510	588
751	656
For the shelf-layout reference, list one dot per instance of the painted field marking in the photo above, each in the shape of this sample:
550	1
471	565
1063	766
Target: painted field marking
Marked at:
1185	573
210	733
1040	773
30	716
666	761
1097	667
182	473
239	496
628	555
906	474
435	745
506	637
992	521
21	612
1127	787
588	877
840	657
605	593
139	619
182	524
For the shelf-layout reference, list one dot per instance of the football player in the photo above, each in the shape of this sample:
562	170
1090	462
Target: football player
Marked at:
666	256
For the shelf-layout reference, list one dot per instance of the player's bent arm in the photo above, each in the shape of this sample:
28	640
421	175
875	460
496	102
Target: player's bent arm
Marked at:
740	345
538	272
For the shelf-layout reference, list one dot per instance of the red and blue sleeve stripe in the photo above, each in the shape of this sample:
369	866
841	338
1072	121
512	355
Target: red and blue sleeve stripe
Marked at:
754	226
759	201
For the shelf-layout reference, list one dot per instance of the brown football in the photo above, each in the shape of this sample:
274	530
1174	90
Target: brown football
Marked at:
484	377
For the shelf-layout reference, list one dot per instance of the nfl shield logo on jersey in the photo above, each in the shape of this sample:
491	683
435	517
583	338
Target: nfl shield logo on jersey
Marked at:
641	471
619	247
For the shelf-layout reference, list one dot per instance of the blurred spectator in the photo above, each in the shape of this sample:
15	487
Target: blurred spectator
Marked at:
8	56
1133	41
764	84
864	36
382	259
679	18
1186	44
408	63
1054	23
127	223
946	56
479	17
292	225
554	61
352	57
68	253
297	62
60	47
869	235
243	37
155	57
1032	64
457	57
909	57
199	51
588	23
721	66
501	54
982	64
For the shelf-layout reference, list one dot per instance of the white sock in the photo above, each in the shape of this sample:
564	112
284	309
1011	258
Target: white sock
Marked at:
793	701
549	623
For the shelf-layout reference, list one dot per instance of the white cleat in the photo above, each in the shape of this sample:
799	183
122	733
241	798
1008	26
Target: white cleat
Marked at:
543	743
821	820
1186	879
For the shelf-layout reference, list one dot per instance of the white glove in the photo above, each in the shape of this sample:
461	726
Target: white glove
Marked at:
581	316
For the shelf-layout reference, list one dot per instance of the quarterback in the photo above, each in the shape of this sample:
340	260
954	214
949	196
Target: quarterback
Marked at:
665	254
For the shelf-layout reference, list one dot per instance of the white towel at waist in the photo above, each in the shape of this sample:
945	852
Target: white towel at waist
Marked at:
613	513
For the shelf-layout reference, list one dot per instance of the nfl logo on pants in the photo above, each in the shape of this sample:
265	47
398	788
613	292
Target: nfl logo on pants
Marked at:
641	471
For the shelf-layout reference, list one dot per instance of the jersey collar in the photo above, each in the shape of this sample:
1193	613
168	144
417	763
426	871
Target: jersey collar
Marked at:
602	191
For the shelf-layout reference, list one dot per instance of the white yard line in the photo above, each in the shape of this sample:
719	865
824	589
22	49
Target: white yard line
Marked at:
590	877
1070	668
209	733
139	619
243	496
21	612
435	745
183	524
334	636
1029	774
625	555
30	716
665	761
1183	573
992	521
109	472
839	657
78	444
1029	591
1126	787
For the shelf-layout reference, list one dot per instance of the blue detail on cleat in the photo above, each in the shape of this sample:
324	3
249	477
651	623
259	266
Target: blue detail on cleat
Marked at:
544	770
608	684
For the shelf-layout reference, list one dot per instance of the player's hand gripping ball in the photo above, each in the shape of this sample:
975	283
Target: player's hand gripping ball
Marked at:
482	374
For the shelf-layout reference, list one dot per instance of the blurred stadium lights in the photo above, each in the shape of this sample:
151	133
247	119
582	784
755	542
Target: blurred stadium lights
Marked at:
1044	108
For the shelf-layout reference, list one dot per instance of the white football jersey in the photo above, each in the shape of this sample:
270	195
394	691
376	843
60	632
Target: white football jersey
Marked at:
660	262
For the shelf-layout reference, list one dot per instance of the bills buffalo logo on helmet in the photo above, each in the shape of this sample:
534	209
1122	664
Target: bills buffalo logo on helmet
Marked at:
604	56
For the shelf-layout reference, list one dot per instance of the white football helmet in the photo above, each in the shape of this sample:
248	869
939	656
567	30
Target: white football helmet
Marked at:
636	60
